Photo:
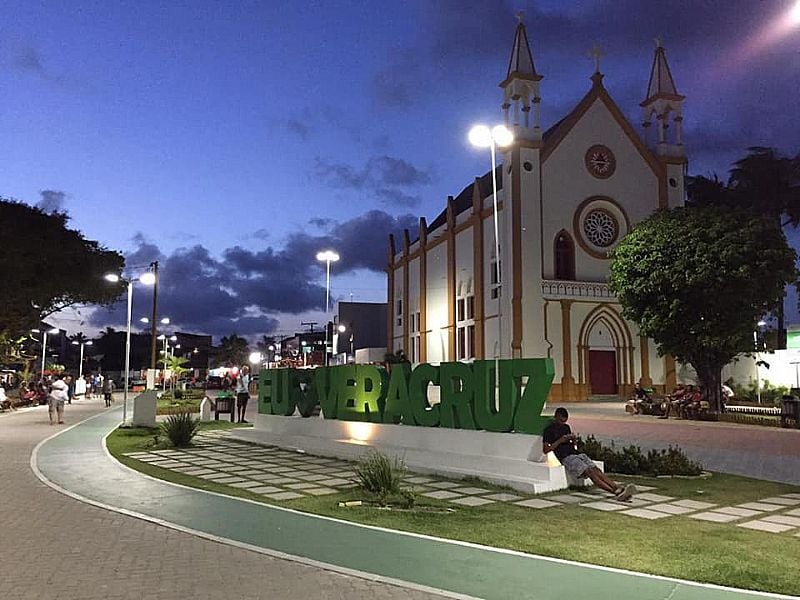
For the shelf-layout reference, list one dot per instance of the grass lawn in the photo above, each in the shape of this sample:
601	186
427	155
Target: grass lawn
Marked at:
167	406
675	546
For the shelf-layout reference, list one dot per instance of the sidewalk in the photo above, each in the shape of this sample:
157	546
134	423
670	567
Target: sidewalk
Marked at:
55	547
770	453
77	462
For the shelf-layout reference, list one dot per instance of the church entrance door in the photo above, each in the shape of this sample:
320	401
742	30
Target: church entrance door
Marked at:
603	371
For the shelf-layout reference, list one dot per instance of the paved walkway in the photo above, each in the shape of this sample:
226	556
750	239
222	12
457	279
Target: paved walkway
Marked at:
76	461
53	546
769	453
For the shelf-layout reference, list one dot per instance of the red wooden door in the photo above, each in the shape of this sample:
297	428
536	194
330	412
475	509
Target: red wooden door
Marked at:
603	371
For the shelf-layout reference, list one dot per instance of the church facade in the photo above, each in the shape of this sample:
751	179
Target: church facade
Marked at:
565	197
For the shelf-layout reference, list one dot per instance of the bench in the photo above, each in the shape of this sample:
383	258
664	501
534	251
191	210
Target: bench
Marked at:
790	411
225	404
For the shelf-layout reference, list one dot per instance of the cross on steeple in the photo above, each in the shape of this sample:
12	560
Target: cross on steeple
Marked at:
659	41
596	53
520	16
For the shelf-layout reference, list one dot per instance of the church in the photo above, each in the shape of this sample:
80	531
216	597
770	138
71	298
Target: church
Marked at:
565	197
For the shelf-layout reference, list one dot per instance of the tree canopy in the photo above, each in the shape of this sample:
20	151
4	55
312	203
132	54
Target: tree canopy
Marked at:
45	266
232	351
697	279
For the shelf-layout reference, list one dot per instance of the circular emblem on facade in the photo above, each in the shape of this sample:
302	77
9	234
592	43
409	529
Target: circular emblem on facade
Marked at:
600	161
600	228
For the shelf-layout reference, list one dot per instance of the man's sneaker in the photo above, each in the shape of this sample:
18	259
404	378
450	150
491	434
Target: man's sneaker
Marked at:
627	493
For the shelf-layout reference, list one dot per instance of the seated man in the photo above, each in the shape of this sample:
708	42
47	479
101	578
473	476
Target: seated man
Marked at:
640	397
558	438
674	401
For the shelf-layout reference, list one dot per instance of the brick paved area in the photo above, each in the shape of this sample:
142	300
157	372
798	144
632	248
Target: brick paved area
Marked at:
52	546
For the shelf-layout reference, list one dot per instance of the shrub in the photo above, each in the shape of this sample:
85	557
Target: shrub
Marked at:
631	461
178	394
770	394
381	478
180	429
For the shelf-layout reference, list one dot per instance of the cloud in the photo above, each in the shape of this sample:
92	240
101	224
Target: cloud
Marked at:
29	59
244	290
383	176
51	201
297	128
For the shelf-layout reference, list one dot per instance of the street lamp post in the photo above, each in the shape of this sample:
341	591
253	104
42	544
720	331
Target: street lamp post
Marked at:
147	278
760	324
483	137
52	330
80	365
327	256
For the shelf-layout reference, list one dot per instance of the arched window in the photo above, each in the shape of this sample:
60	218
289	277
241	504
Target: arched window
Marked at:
565	257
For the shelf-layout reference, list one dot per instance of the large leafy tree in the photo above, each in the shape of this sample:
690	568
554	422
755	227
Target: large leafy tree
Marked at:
696	279
232	351
765	183
45	266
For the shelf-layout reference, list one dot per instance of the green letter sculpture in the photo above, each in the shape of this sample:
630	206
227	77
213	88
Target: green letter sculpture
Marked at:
424	414
456	388
494	414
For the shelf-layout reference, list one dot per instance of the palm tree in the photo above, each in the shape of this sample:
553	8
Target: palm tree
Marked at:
232	351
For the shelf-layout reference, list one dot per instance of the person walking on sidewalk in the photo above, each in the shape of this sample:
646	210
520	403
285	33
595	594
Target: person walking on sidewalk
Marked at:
558	438
242	392
108	390
56	399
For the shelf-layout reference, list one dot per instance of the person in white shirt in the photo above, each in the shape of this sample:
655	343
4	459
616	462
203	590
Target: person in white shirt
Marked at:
242	392
56	399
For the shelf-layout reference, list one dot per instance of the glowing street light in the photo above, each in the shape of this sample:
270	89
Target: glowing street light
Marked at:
327	256
81	344
52	331
483	137
147	278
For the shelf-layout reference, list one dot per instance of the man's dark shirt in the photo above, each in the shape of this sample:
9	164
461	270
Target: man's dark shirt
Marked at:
553	432
640	394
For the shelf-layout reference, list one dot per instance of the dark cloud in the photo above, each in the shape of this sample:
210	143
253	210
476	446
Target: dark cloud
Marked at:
243	290
29	59
386	178
297	128
51	201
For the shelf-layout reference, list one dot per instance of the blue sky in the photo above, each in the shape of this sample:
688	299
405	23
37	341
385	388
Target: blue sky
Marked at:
231	140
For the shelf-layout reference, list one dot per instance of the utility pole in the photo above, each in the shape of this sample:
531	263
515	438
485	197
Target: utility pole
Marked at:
154	318
309	323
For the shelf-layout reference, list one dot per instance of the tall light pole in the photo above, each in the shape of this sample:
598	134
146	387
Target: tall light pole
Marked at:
147	278
327	256
81	344
154	319
483	137
53	331
760	324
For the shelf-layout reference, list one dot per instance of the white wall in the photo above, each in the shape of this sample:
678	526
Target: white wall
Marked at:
436	300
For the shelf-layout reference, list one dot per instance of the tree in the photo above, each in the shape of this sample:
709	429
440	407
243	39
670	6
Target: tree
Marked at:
696	280
47	267
765	183
232	351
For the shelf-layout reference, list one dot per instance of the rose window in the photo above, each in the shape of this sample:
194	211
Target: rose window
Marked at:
600	228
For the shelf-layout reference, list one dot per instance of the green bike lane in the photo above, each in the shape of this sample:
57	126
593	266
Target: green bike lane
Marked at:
76	462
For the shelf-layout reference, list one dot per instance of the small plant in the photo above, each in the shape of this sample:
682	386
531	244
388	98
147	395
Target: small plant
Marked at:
180	429
381	478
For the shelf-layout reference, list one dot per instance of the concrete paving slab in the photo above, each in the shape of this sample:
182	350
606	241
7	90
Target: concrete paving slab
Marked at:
761	506
246	484
503	497
283	496
606	506
537	503
419	479
231	479
300	486
655	497
737	511
319	491
567	498
472	501
783	519
760	525
441	495
443	485
794	513
644	513
671	509
470	490
714	517
694	504
781	500
265	489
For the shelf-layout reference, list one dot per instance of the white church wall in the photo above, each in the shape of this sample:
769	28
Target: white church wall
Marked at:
397	329
413	287
567	183
554	347
436	309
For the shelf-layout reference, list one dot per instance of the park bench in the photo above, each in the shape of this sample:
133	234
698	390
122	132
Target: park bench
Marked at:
225	403
790	411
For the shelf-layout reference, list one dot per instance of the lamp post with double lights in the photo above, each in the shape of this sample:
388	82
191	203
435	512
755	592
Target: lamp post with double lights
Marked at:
327	256
81	344
165	353
146	278
759	325
51	331
483	137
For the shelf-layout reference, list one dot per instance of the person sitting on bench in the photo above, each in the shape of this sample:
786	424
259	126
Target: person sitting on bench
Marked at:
558	438
641	397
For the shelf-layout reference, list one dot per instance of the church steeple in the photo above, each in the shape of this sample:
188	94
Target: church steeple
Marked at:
663	101
521	88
